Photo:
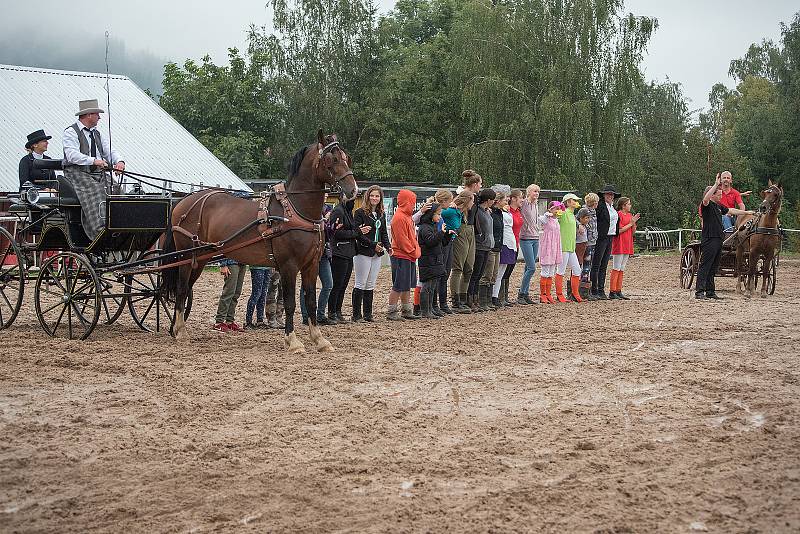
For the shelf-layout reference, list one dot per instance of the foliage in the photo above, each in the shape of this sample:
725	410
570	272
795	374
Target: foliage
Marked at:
546	91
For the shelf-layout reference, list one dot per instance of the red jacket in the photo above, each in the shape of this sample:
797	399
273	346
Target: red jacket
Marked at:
404	236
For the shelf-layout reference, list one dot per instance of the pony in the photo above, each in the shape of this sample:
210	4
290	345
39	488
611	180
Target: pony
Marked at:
761	240
285	230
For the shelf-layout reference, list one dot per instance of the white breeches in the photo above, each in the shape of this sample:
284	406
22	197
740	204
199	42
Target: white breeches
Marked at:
619	261
571	259
367	269
547	271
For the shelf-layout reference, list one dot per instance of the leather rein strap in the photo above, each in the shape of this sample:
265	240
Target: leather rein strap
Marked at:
268	230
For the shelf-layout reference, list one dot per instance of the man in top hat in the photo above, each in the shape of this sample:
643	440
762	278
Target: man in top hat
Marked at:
36	146
85	152
607	228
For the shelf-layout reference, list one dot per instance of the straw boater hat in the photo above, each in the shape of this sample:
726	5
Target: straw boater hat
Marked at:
88	106
35	137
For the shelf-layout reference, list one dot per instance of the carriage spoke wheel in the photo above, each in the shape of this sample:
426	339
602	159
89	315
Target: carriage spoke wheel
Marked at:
147	302
773	272
12	279
67	296
688	261
114	296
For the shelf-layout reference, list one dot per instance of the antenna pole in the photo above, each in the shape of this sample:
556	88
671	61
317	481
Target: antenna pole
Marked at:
108	107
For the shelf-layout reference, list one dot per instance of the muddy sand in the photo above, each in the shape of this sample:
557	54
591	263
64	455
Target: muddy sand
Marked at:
661	414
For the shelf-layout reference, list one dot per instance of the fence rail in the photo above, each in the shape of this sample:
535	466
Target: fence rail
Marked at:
658	239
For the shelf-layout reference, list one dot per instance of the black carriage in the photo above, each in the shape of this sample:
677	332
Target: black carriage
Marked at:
78	282
690	261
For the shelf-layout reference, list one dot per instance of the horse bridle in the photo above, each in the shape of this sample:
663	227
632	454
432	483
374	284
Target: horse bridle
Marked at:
336	186
767	208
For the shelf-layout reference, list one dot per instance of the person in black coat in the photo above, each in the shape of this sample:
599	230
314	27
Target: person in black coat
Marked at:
343	248
431	262
36	146
607	228
371	244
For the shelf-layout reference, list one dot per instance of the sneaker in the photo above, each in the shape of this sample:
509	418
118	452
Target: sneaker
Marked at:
233	327
221	327
261	324
713	296
700	295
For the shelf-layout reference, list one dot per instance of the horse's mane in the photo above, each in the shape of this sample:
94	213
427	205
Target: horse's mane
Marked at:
297	161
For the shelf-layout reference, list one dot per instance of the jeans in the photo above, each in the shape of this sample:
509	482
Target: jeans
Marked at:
259	279
602	253
231	290
481	256
326	277
728	221
530	251
341	269
710	254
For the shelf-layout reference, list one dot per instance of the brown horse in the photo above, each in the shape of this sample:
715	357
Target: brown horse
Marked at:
291	240
762	240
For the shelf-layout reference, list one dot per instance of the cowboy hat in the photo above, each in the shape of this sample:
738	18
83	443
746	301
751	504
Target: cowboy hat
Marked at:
35	137
88	106
609	188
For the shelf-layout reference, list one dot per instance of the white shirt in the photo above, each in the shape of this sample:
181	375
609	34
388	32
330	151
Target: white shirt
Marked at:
72	147
612	219
509	241
36	155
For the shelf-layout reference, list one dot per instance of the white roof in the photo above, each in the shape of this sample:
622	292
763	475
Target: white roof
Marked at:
148	139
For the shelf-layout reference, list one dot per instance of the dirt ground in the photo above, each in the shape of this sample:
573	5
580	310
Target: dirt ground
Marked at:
662	414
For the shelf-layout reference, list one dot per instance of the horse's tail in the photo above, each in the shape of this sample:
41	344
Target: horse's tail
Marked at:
169	276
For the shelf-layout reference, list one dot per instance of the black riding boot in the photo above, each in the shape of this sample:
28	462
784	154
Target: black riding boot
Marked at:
368	295
357	299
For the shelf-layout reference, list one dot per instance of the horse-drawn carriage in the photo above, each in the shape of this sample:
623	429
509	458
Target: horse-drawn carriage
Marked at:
78	282
690	261
753	246
82	281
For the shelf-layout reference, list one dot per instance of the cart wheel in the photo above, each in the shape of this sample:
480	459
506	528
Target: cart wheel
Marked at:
773	272
114	298
67	296
12	279
688	260
149	307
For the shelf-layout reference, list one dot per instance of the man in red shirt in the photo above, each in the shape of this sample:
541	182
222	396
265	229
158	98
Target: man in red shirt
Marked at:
731	198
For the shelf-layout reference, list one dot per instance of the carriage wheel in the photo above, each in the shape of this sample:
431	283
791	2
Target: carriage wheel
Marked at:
114	295
149	307
12	279
773	272
67	296
688	260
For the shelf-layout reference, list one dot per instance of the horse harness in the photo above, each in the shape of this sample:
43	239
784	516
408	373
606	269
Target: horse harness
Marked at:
269	226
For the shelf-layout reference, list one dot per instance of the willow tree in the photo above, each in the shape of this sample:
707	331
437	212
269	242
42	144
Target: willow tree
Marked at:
545	85
321	54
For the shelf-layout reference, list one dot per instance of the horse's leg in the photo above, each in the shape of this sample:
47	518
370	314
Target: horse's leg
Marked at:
186	278
739	274
765	273
309	281
288	286
752	269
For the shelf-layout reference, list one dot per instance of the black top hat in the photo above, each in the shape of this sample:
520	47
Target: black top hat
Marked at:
609	188
35	137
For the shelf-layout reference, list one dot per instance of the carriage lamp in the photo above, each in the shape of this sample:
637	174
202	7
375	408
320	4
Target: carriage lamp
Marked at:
29	193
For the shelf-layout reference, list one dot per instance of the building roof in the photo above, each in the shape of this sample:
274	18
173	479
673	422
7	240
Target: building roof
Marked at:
149	140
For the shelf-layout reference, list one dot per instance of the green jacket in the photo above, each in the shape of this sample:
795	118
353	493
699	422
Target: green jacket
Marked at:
569	229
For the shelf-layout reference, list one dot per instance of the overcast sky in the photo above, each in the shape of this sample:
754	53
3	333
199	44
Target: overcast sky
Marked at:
694	44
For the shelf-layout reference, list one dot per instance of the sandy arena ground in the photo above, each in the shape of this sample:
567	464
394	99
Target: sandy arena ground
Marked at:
661	414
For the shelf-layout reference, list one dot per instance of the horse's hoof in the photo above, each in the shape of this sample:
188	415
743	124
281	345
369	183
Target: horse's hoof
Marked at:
325	346
296	350
182	337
